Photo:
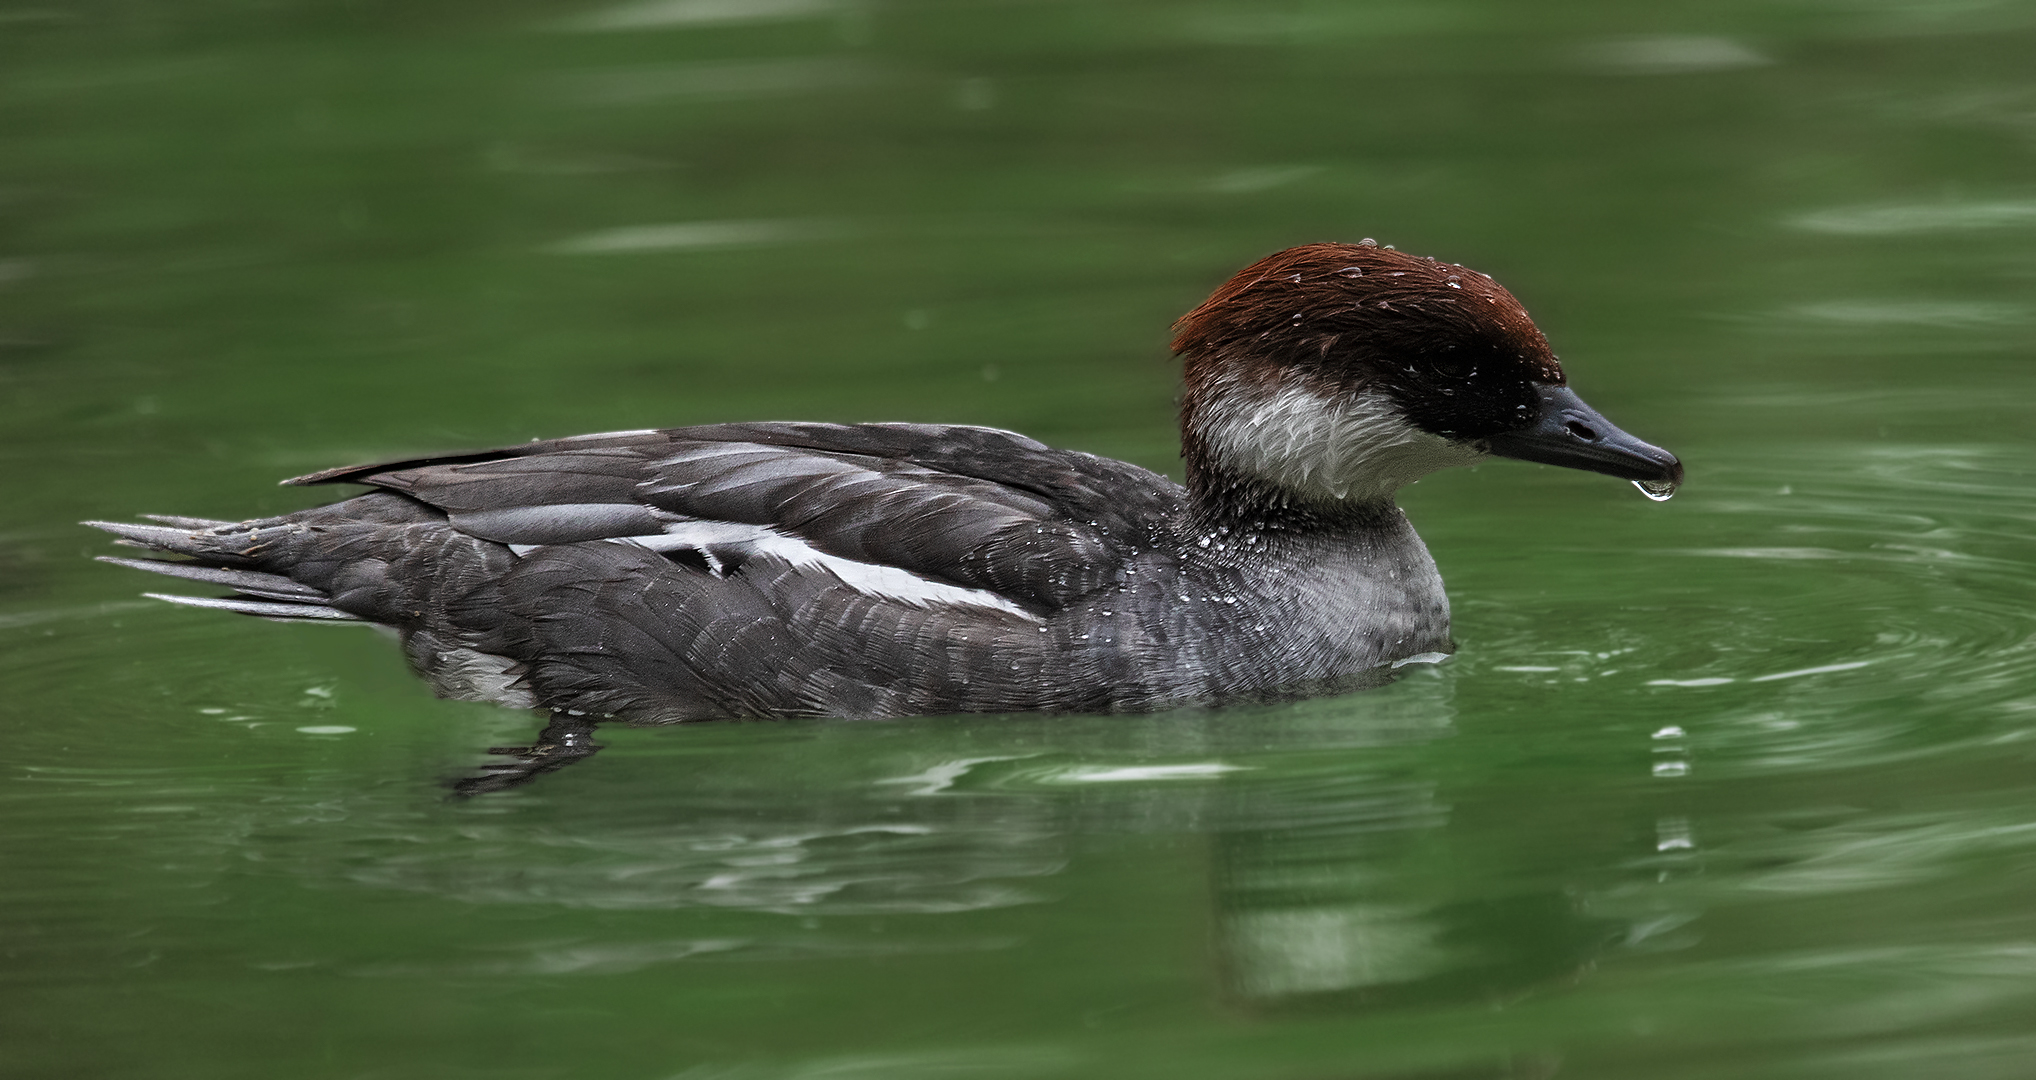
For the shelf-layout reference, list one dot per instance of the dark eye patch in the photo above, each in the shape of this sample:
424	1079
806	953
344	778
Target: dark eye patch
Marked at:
1466	392
1452	365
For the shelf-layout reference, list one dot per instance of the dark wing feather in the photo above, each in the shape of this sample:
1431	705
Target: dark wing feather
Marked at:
562	497
975	506
972	506
369	473
1115	494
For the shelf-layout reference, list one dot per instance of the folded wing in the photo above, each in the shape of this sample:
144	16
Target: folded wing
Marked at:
930	513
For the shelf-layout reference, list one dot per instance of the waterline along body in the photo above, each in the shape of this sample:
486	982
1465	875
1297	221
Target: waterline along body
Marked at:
793	569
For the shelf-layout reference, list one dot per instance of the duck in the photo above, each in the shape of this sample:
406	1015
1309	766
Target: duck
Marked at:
789	569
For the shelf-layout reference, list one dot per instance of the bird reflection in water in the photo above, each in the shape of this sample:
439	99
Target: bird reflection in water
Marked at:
1341	888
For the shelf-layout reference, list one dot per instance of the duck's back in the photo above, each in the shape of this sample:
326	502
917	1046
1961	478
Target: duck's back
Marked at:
762	569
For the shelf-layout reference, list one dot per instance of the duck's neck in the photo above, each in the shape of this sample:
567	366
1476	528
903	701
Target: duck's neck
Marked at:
1298	453
1284	457
1223	498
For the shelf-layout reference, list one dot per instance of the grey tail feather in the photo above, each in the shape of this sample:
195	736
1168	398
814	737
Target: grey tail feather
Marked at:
251	582
156	537
271	596
180	522
268	609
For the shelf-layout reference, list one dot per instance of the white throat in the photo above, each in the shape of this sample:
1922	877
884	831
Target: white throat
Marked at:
1355	448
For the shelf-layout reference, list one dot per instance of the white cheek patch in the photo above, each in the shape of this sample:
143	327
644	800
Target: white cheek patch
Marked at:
1359	448
719	540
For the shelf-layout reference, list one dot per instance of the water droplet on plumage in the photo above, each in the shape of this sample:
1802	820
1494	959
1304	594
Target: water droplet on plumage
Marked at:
1657	490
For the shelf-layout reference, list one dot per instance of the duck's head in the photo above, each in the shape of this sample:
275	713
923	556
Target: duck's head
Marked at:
1332	374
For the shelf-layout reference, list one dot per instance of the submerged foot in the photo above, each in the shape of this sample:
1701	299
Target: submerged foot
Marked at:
565	740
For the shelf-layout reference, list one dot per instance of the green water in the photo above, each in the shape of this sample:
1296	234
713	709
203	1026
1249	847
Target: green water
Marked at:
1738	786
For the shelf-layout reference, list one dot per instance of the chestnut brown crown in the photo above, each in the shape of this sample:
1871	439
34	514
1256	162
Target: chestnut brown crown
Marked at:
1453	349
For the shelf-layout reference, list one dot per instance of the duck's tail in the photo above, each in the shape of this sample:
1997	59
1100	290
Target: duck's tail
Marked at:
221	553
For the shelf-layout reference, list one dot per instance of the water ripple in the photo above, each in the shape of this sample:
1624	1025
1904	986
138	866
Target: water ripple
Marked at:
848	868
1919	217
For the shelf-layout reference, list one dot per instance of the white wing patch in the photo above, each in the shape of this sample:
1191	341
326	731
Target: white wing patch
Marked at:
709	537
